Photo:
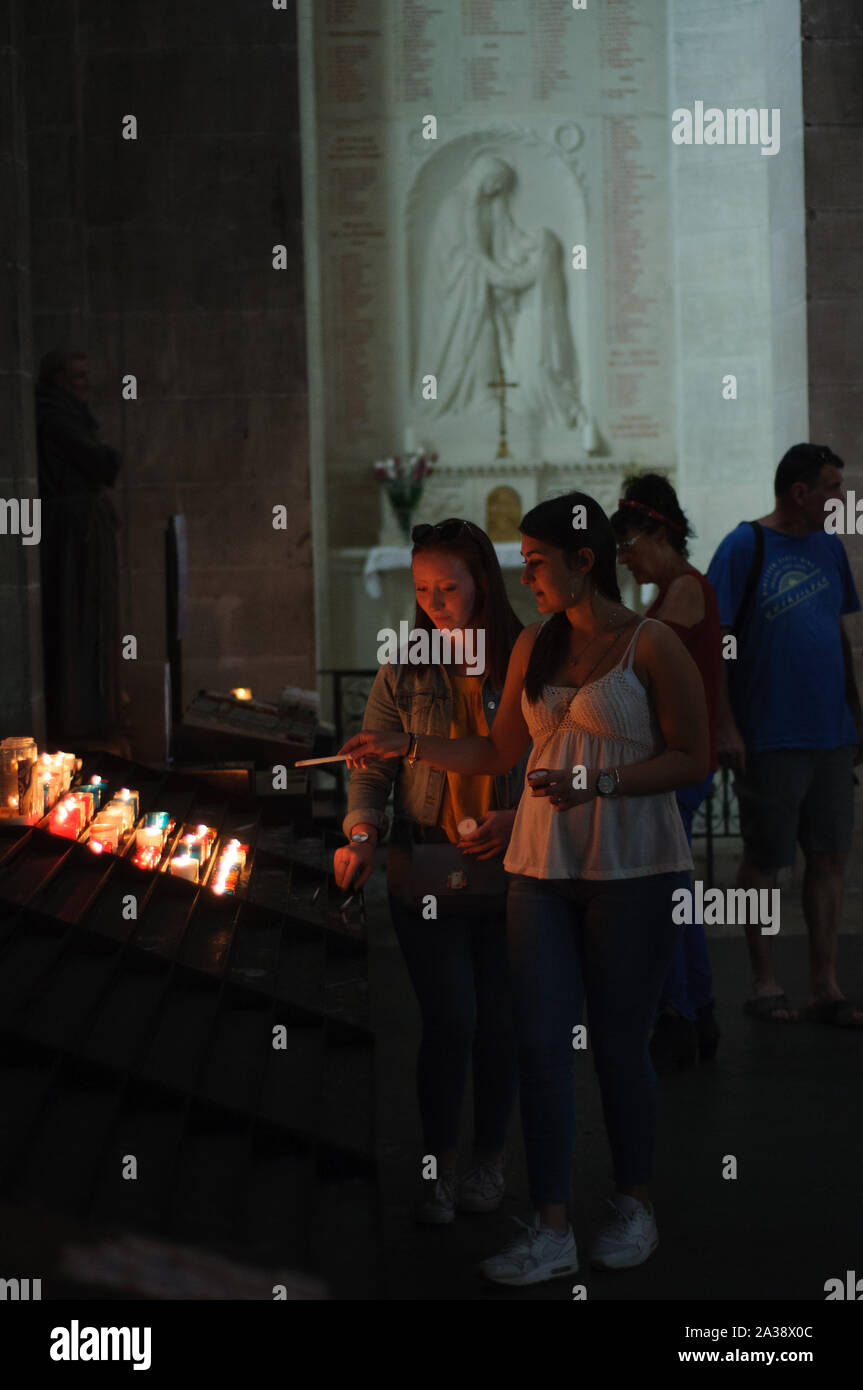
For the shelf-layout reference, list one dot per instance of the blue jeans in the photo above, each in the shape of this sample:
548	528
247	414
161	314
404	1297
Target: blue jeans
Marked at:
689	983
458	967
609	942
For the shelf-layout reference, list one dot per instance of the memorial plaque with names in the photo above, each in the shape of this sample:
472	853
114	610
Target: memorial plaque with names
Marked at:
550	131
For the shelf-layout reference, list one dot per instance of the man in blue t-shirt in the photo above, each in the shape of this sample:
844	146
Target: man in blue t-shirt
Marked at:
790	720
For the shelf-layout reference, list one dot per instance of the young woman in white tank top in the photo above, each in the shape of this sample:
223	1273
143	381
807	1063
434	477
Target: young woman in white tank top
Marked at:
615	708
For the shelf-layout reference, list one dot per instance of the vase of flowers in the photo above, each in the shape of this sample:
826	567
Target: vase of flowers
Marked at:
403	477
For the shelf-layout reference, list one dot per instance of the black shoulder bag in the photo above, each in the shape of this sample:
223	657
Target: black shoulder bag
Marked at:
751	579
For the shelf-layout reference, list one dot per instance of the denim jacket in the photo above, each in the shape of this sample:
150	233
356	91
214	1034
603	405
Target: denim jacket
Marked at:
416	699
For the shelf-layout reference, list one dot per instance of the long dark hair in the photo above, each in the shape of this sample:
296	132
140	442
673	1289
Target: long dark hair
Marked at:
654	491
492	609
552	522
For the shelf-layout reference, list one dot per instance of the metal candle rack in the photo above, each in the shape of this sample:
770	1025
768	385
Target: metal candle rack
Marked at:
151	1033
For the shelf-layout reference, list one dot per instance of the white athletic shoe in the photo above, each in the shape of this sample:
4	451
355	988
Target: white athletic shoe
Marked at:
481	1189
437	1208
539	1254
627	1237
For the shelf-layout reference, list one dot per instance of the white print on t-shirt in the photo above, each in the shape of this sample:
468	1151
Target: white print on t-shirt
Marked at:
788	581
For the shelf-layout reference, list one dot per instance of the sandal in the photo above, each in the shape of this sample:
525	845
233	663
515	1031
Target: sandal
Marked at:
839	1013
767	1006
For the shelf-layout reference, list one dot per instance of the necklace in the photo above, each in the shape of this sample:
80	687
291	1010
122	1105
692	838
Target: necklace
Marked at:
575	660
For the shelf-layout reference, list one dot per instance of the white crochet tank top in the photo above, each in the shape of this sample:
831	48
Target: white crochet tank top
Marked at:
605	724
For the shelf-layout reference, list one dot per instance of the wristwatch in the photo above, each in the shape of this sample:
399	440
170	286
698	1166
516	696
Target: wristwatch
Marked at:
608	783
359	837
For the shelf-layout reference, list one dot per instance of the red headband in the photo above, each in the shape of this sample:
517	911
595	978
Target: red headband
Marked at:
657	516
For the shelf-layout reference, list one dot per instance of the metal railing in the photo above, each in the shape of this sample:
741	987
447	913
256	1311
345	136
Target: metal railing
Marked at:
718	817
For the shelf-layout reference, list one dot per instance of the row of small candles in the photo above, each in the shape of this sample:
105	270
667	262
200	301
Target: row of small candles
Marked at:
229	866
111	825
32	783
193	853
150	839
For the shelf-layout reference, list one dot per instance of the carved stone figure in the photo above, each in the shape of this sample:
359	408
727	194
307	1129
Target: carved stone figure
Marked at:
495	301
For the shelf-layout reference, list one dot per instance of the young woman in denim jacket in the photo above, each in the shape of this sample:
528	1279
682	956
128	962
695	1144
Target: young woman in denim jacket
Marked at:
453	938
616	711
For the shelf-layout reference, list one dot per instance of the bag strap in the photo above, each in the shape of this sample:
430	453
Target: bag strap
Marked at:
751	579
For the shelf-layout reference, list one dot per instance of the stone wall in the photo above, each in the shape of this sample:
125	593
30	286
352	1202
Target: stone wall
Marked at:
155	257
833	143
786	202
21	702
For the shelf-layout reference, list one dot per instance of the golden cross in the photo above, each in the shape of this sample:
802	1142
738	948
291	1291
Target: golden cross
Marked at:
503	386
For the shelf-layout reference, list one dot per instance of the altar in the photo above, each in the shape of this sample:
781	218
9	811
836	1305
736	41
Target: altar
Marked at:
372	585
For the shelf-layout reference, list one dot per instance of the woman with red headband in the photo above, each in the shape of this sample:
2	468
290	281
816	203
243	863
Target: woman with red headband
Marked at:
652	534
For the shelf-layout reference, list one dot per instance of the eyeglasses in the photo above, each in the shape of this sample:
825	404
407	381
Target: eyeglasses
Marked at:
624	547
443	531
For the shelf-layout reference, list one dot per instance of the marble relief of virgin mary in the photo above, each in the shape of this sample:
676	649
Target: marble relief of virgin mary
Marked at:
495	300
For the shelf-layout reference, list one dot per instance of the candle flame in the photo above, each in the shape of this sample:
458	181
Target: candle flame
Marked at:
242	692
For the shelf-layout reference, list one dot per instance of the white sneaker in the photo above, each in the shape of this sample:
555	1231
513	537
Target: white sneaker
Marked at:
481	1189
437	1208
628	1236
539	1254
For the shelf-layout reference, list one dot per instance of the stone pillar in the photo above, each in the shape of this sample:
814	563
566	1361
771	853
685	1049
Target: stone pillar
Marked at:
21	698
832	33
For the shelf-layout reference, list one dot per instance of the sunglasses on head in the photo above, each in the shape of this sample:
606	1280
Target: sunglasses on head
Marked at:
443	531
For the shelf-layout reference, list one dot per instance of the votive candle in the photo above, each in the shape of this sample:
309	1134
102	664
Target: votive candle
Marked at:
67	819
106	833
126	794
99	788
148	857
84	797
149	836
195	847
183	866
121	811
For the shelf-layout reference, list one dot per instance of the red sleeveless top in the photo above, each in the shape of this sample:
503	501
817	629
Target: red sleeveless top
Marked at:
704	644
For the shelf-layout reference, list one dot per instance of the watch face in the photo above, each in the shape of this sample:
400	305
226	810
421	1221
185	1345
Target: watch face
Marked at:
360	837
605	784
